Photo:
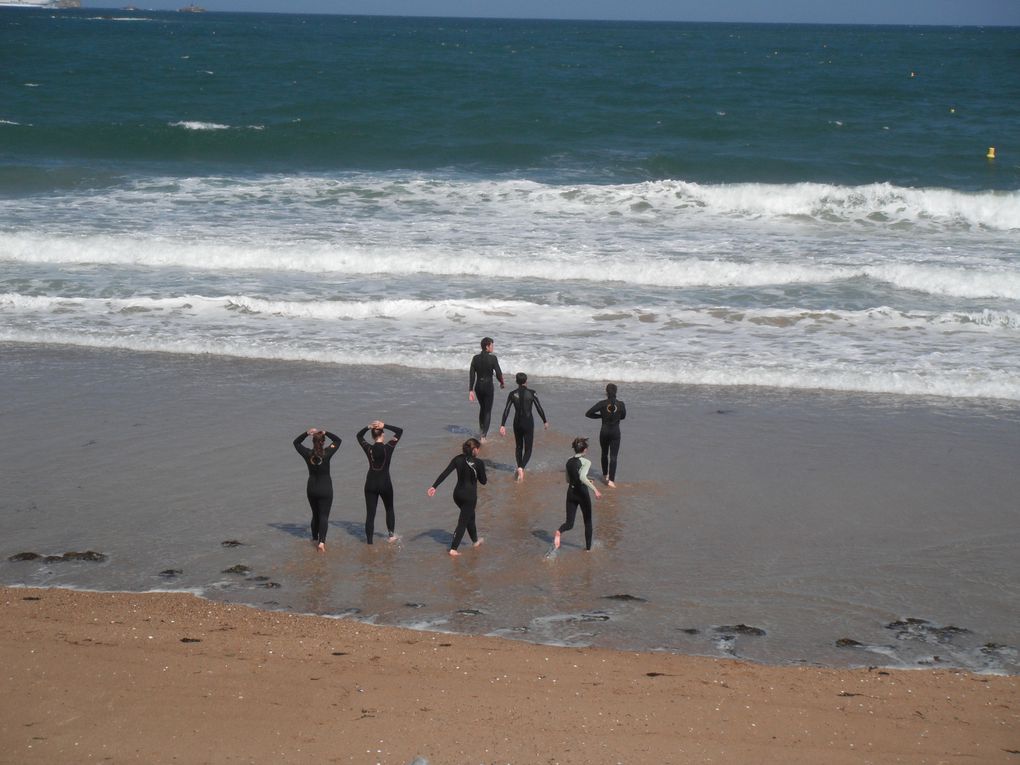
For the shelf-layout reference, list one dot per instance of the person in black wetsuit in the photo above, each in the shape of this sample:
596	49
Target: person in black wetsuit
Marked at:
483	366
577	493
522	400
320	485
610	410
377	479
470	473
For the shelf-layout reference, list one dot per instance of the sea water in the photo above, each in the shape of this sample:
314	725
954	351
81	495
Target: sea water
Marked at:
789	208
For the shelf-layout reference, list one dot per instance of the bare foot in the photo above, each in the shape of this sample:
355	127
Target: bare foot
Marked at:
520	474
392	538
454	553
556	540
483	439
321	547
479	542
610	484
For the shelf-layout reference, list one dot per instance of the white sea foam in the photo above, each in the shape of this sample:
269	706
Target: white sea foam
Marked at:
196	125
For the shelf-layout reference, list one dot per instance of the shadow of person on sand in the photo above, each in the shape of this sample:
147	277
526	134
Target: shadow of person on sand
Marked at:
300	530
353	529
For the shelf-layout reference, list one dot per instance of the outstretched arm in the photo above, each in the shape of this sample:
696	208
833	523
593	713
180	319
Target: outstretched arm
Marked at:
442	476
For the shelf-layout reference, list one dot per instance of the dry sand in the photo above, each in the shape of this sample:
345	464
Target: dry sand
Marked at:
157	677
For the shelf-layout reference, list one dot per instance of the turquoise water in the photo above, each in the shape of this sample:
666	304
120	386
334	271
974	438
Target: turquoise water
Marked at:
593	102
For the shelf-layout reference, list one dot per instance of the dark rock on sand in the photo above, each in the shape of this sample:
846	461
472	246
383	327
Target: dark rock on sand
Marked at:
689	630
271	585
911	628
170	573
469	612
231	543
625	597
741	629
191	640
24	556
848	643
238	569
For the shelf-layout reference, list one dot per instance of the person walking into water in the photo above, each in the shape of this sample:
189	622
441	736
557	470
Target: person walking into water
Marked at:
610	410
578	484
470	473
522	399
377	480
483	366
320	485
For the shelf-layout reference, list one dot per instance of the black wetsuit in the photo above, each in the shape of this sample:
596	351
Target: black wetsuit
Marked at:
377	479
524	424
320	485
577	496
470	473
610	411
483	366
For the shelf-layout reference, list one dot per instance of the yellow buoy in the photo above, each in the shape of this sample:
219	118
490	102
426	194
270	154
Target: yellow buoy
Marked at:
991	152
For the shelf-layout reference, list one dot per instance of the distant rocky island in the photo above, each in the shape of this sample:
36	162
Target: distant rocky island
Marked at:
192	9
40	3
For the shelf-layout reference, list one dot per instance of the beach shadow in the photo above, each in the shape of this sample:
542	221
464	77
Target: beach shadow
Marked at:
500	466
299	530
439	536
543	535
353	529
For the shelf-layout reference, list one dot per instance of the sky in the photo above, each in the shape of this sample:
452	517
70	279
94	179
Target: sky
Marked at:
937	12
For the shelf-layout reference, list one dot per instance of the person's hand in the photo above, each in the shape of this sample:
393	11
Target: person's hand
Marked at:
546	425
598	494
471	395
312	431
377	424
502	430
432	491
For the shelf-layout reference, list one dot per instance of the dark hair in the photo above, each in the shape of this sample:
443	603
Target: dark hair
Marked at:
580	444
469	445
521	378
611	390
486	342
318	439
376	432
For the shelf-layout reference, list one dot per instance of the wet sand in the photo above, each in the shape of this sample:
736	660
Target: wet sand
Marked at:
161	677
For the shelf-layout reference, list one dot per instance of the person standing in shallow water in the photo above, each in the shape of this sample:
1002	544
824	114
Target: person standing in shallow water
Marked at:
522	400
470	473
377	479
320	485
578	484
483	366
610	410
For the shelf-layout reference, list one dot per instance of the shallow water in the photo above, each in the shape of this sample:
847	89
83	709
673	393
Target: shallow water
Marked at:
812	517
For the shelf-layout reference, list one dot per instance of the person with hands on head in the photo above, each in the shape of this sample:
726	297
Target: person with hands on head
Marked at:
377	479
320	486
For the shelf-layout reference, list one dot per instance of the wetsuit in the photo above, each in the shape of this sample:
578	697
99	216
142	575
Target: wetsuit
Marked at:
377	479
483	366
610	411
320	485
578	496
524	424
470	473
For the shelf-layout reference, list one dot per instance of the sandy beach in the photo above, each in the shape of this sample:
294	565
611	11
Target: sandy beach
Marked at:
157	677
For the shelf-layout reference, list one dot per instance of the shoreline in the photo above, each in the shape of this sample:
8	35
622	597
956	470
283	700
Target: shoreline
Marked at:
163	676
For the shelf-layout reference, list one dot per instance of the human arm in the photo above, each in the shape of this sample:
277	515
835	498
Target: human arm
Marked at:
622	409
541	412
582	474
499	372
361	438
396	431
506	412
335	439
472	376
442	476
595	413
480	472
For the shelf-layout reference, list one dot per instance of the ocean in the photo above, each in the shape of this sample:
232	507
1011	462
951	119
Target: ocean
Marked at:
714	213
